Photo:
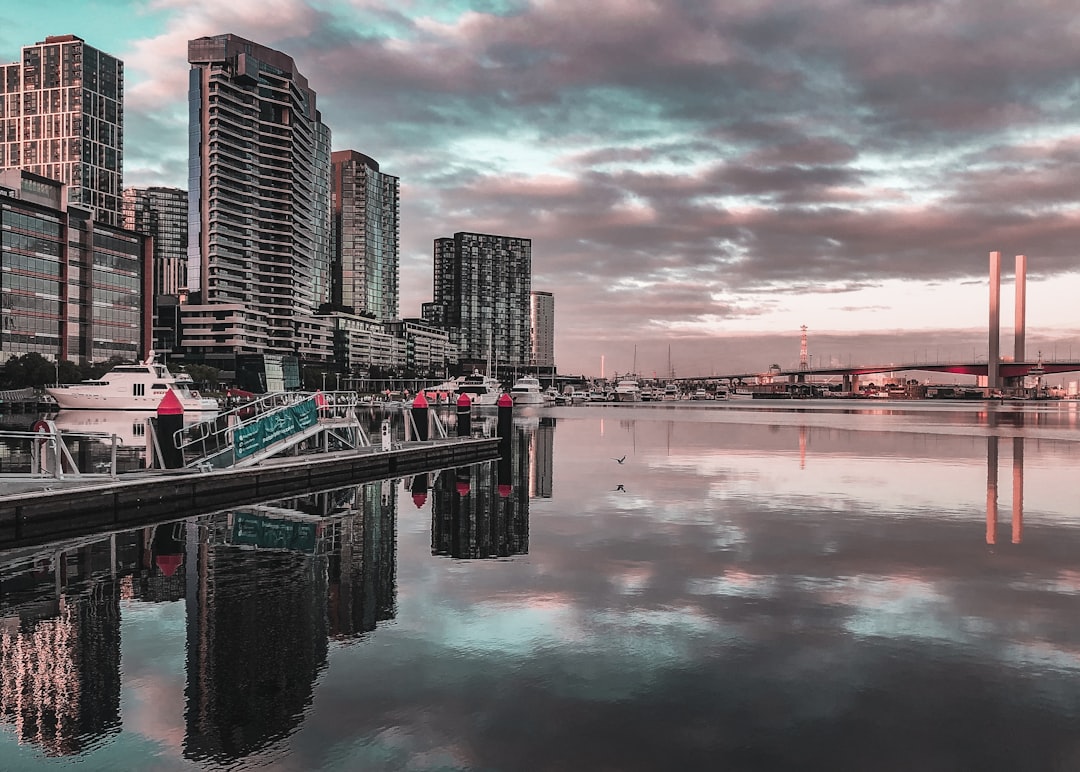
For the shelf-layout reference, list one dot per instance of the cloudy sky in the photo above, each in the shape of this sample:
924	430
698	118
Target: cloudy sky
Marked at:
699	179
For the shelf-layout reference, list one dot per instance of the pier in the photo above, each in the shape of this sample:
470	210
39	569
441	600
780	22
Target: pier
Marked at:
40	512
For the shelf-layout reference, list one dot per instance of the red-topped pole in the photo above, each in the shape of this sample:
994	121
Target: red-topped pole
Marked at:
420	416
170	420
464	416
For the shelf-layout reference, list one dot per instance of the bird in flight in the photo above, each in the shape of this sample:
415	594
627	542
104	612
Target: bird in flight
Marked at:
620	487
620	460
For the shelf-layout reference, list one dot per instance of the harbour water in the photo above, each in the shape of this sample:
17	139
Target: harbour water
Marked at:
740	585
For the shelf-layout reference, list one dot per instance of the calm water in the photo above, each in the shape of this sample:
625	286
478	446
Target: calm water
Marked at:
756	586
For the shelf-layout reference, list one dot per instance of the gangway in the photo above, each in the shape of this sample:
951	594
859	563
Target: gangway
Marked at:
280	423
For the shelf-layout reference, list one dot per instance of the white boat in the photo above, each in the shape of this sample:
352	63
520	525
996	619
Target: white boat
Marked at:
131	387
627	390
482	389
700	394
526	391
671	391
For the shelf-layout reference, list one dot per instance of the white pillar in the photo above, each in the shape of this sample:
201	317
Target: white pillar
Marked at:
994	354
1020	349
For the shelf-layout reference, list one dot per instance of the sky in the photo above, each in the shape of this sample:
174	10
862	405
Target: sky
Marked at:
699	179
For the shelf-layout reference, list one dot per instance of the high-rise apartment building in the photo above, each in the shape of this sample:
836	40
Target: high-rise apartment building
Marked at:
542	325
259	204
481	296
163	214
62	117
72	287
366	237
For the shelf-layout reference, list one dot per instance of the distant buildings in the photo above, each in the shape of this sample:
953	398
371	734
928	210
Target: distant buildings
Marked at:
259	242
482	298
62	116
72	287
542	326
162	213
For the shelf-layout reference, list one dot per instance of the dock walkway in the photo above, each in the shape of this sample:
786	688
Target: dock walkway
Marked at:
35	511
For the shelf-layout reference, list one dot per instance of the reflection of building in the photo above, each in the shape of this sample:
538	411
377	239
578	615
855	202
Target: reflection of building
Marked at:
60	653
482	511
256	638
363	563
541	455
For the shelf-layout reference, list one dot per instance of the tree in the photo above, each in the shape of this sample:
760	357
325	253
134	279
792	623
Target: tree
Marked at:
205	375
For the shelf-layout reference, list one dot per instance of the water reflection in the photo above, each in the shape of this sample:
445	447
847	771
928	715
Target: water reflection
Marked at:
759	593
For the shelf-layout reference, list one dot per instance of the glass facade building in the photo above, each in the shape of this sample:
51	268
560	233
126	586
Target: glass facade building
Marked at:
366	237
62	117
482	298
259	209
71	286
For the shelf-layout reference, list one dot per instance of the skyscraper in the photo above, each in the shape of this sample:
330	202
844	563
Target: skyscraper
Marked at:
62	116
366	237
481	296
259	209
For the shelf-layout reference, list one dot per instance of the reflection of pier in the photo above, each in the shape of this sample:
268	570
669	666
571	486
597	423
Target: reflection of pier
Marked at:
992	489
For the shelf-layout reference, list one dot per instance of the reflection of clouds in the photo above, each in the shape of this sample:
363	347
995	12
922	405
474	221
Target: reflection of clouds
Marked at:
734	583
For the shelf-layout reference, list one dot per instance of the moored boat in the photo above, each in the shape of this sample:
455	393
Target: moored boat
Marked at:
131	387
482	389
526	391
627	390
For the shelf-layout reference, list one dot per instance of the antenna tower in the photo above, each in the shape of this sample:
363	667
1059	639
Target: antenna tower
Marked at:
802	350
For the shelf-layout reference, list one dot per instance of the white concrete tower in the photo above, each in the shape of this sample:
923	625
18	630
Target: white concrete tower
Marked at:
1019	347
994	354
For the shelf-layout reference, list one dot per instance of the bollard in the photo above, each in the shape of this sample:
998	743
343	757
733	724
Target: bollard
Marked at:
420	417
170	419
464	416
506	416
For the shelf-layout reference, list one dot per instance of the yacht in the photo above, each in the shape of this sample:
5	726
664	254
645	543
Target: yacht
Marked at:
700	394
627	390
482	389
671	391
526	391
131	387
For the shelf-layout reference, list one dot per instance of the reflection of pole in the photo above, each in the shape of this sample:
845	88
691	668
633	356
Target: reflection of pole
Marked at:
1018	491
991	489
802	447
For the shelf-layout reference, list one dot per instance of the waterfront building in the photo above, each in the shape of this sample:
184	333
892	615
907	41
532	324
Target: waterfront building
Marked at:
362	343
71	287
542	327
481	297
428	349
259	233
366	205
62	117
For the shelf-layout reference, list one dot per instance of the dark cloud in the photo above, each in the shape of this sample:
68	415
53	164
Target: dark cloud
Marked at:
668	154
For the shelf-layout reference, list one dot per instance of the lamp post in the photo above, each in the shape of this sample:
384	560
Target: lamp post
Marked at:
324	380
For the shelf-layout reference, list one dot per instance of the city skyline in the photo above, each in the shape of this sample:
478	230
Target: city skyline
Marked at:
700	181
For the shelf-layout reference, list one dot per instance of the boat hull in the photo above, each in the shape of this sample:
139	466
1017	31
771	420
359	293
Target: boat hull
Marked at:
84	399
